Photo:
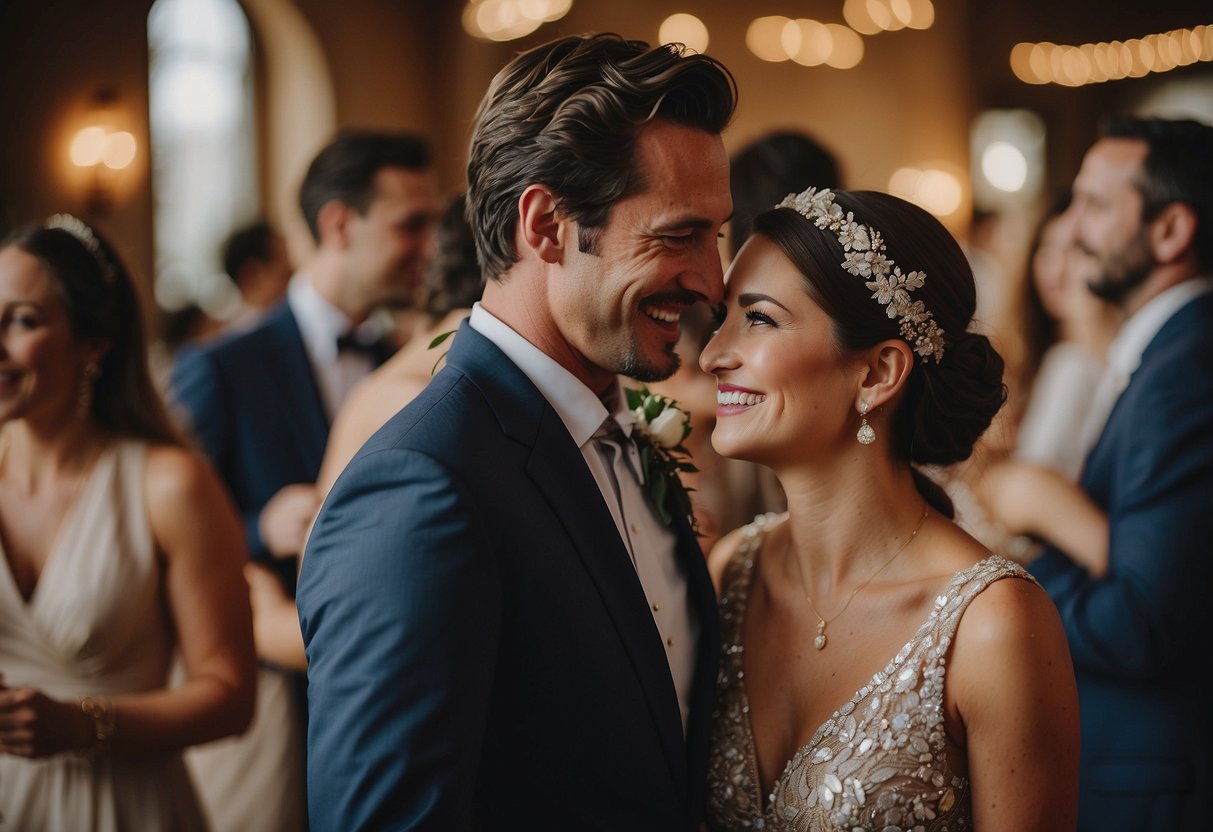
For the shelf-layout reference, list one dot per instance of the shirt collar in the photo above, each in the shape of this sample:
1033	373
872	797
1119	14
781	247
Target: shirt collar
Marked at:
581	411
1124	354
320	322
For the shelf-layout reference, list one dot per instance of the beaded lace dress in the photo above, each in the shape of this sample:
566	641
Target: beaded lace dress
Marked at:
878	764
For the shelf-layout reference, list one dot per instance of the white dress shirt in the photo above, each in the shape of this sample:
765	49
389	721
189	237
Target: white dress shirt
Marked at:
1124	354
650	543
320	324
1060	401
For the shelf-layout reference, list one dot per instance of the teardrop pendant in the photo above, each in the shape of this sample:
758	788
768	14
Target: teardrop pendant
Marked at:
866	435
820	641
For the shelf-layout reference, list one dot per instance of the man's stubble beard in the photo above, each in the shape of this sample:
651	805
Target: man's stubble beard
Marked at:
634	367
1127	270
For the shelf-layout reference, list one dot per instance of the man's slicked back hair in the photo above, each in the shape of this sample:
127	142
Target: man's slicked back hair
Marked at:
566	115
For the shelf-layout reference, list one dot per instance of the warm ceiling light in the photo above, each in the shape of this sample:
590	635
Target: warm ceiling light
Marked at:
848	47
1124	59
1143	57
1040	61
1095	69
855	12
502	20
1021	63
1094	63
922	14
544	11
880	14
1105	60
1075	67
900	13
811	40
764	38
686	29
935	190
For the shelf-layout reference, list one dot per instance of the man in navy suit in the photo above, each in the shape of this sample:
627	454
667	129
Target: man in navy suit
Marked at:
260	403
501	632
1135	597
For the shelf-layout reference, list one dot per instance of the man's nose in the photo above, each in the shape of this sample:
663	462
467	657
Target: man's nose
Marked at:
707	278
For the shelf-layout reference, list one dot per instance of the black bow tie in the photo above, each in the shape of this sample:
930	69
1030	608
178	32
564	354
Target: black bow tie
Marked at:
377	350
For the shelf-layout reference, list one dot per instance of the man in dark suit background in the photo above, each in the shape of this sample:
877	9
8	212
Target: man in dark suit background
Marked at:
1136	604
501	633
260	401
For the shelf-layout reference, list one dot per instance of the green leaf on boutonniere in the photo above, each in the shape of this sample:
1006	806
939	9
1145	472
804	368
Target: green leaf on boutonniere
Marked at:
437	341
661	426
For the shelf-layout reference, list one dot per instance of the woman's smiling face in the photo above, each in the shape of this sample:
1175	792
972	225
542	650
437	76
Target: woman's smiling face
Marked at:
785	389
41	362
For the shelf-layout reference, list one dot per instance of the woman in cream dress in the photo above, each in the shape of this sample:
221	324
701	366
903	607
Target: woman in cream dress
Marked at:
119	548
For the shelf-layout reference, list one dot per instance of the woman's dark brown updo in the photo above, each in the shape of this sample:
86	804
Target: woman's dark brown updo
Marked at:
947	405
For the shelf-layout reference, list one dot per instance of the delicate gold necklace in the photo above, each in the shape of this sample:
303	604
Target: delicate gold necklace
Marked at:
822	622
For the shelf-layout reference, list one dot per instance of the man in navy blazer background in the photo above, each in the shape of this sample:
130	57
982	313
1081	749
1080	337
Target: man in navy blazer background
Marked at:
1137	611
501	633
260	403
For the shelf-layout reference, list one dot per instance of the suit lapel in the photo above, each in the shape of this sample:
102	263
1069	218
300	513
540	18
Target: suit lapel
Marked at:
303	415
559	472
707	661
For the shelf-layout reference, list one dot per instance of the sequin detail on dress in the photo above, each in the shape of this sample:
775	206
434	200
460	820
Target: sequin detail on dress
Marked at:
878	764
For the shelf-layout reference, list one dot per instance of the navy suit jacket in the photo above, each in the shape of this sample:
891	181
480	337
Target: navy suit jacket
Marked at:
1140	635
481	652
252	403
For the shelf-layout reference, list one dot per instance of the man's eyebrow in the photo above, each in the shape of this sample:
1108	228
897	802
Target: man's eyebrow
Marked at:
751	298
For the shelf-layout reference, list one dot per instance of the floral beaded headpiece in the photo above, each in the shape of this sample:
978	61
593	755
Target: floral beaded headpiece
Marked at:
864	248
78	229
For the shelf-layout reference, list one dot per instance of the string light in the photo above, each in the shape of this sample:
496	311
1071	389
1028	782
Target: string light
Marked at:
686	29
776	38
1097	63
501	20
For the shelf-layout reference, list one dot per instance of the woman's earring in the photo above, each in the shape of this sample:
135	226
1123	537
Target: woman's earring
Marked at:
865	435
84	400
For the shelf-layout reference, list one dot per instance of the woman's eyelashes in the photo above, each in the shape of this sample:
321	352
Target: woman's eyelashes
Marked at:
756	318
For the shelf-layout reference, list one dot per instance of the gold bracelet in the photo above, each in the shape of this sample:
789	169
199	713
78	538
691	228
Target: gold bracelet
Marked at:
105	722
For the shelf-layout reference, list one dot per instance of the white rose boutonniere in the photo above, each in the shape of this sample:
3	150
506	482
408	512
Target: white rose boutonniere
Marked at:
660	428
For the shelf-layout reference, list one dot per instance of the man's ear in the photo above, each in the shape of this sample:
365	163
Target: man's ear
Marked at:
332	224
541	228
886	367
1172	232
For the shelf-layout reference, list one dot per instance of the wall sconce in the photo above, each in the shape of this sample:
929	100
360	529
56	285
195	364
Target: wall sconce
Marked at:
104	150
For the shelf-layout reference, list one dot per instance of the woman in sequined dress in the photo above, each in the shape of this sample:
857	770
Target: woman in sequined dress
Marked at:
877	672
